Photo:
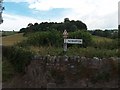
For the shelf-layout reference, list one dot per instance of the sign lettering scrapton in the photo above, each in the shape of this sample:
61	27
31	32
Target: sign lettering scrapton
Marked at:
73	41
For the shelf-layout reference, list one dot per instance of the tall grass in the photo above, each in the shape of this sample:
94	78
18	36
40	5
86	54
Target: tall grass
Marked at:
76	51
46	50
91	52
104	43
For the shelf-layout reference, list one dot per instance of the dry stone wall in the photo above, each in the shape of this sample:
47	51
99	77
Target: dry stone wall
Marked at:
68	72
80	72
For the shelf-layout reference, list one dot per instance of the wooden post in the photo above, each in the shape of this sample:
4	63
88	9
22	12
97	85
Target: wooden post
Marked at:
65	34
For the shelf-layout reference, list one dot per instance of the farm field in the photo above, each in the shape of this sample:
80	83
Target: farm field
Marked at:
12	39
101	39
8	33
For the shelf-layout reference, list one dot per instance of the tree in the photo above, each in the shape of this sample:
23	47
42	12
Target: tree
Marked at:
36	24
98	32
107	33
29	25
70	26
73	27
80	25
86	36
66	20
22	30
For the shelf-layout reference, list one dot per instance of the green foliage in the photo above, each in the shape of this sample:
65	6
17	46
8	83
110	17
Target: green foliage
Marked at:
7	70
105	44
47	26
75	51
49	38
55	38
50	51
19	57
7	33
91	52
106	33
81	34
23	44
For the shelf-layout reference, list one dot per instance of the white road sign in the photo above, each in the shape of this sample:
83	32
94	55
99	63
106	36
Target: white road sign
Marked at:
73	41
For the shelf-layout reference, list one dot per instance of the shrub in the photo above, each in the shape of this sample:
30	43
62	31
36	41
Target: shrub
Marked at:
23	44
7	70
49	38
19	57
80	34
55	38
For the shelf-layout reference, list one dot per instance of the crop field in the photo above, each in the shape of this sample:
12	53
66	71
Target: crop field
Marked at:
8	33
101	39
12	39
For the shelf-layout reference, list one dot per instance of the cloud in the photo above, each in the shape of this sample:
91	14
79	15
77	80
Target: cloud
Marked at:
77	5
95	13
17	1
16	22
105	22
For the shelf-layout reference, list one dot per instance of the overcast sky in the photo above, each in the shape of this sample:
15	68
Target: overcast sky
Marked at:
119	12
96	14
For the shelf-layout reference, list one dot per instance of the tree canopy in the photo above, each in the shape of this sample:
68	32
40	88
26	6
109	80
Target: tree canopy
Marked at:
106	33
69	25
